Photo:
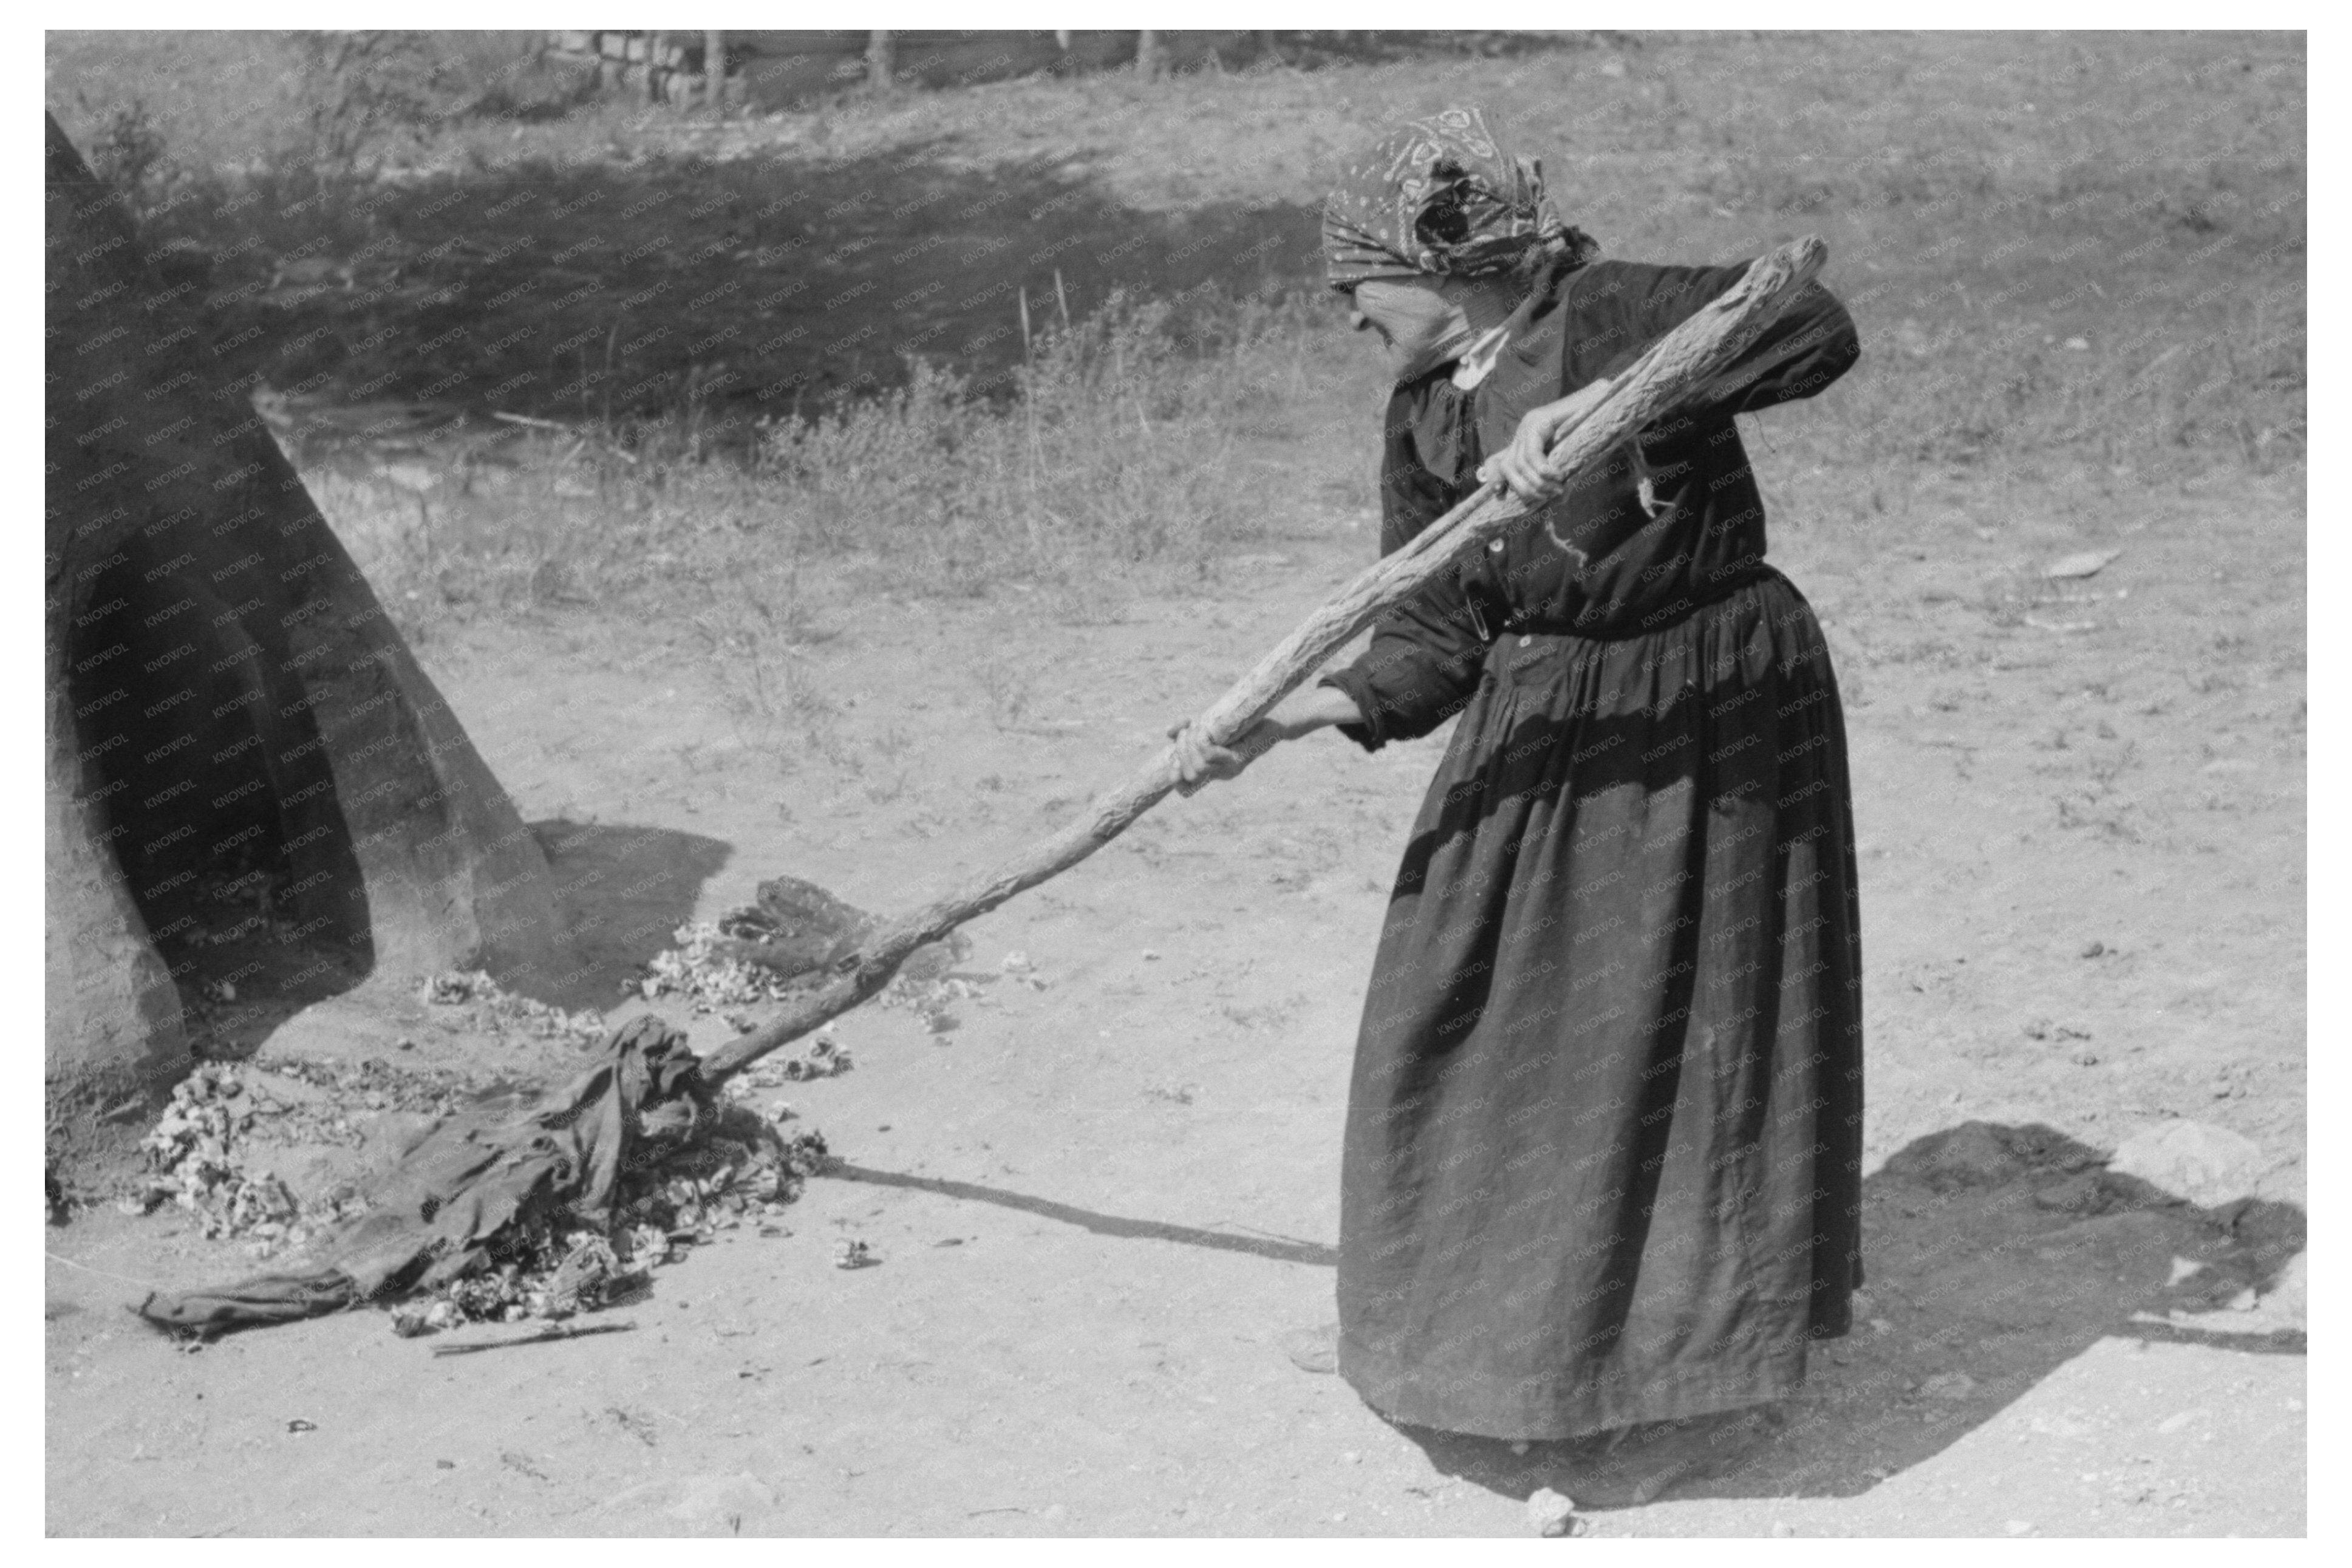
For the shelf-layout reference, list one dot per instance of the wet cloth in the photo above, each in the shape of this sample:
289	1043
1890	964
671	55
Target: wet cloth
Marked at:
1603	1135
1441	195
507	1158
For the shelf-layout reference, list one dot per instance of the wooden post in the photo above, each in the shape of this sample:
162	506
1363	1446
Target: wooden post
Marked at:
1676	367
1147	56
881	60
657	45
714	73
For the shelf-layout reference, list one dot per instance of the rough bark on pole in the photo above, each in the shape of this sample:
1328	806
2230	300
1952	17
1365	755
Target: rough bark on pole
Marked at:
881	60
714	72
1147	56
1694	354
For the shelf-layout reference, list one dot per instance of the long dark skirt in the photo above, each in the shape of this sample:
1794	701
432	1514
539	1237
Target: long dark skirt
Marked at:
1604	1133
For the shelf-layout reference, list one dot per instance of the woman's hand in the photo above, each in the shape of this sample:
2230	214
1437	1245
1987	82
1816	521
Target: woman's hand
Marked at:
1199	760
1520	465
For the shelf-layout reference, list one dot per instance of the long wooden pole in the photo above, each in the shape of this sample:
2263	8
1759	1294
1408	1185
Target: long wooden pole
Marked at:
1686	359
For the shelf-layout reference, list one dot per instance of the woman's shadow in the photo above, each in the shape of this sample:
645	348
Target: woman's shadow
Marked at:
1996	1255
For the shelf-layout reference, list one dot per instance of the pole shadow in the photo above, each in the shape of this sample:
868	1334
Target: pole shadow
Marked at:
1281	1250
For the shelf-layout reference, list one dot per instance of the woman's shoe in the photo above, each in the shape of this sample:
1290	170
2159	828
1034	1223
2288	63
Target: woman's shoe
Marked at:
1312	1350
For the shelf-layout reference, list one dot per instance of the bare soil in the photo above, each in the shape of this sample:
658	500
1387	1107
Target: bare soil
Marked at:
1102	1208
1101	1205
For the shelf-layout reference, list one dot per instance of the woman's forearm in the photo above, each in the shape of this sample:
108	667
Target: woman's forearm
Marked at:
1313	708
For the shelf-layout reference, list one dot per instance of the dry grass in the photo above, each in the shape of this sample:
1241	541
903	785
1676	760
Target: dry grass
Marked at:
2075	260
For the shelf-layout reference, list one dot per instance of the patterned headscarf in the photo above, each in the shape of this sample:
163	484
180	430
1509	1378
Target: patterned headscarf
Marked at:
1439	196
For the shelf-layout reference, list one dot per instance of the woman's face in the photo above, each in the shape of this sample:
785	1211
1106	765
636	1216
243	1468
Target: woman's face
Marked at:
1410	314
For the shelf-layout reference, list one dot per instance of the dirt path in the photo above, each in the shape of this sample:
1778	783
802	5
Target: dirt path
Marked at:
1101	1204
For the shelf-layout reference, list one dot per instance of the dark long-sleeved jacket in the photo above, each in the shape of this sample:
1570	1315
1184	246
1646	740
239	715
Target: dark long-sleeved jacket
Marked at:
1666	525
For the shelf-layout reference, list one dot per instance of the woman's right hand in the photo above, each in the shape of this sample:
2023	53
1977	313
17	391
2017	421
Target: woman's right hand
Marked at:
1522	465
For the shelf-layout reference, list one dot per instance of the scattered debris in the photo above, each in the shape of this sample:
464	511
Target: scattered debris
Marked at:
703	968
193	1153
600	1183
824	1058
1018	969
498	1012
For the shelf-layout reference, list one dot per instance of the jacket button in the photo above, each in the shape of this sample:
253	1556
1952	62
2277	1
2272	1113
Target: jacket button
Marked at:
1495	545
1525	640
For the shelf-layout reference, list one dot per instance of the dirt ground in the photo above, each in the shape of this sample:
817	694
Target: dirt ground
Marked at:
1101	1205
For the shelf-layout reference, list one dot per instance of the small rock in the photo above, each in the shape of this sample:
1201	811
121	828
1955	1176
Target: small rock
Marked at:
299	1425
2086	1058
1550	1513
1782	1529
1017	964
2208	1165
1519	1448
2082	564
1864	1303
2286	1294
2077	345
717	1500
409	1323
849	1254
2019	1527
1151	955
405	1044
1949	1385
2096	950
1880	1326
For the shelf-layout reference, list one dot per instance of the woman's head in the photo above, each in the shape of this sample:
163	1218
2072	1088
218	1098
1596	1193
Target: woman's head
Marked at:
1425	322
1443	197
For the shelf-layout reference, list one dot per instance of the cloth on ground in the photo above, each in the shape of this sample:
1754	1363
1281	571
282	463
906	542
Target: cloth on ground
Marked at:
433	1219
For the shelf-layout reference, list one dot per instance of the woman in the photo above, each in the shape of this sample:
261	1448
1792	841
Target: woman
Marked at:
1603	1133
